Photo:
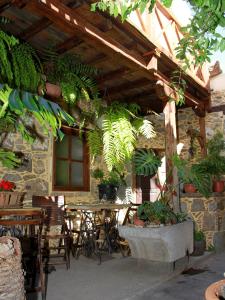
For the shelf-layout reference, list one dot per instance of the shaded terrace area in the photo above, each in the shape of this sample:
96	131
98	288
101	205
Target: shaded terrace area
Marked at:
135	62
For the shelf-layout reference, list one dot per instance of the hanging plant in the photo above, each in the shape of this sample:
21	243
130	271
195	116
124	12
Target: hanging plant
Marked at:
74	78
117	134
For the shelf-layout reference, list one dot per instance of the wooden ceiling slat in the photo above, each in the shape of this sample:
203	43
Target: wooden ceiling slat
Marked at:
68	44
112	75
97	59
35	28
68	20
124	87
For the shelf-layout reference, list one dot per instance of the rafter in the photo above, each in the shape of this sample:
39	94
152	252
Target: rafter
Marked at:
68	44
35	28
112	75
68	20
128	86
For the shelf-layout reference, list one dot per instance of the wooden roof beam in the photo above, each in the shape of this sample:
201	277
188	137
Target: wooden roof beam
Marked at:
128	86
112	75
35	28
68	44
69	20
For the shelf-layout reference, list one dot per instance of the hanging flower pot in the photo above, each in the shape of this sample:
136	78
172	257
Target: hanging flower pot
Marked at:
218	186
51	90
189	188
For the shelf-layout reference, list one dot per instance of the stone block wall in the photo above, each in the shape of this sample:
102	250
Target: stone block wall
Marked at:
35	177
208	215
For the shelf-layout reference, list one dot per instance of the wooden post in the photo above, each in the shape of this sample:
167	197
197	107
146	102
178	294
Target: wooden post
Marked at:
203	136
170	150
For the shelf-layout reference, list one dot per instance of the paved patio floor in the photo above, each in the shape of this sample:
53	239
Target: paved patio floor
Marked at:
128	279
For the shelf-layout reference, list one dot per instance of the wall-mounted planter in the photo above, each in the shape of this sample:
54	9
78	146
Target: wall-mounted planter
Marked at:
164	244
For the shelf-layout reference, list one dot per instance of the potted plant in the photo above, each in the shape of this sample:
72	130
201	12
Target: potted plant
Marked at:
195	177
199	243
108	185
66	75
214	162
5	187
166	236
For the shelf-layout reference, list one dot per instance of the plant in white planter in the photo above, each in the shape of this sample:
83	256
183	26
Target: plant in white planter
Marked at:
166	236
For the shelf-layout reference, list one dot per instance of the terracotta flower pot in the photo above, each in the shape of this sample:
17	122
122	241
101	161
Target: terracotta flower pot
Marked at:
51	90
218	186
138	222
212	292
189	188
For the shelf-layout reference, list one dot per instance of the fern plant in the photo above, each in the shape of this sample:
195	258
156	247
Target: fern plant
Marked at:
20	66
74	78
117	137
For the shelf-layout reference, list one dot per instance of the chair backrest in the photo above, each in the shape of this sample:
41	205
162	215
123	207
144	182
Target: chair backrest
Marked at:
11	199
54	208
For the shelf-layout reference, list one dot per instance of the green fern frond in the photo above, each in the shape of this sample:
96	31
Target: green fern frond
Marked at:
94	139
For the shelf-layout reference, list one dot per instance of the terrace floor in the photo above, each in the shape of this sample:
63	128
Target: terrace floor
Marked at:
120	278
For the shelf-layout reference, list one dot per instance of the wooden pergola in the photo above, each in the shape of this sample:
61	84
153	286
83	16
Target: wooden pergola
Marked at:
135	59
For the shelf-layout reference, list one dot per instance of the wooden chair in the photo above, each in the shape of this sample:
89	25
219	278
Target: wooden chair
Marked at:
55	236
11	199
26	224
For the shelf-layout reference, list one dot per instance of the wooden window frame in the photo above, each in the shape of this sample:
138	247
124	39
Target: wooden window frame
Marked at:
86	167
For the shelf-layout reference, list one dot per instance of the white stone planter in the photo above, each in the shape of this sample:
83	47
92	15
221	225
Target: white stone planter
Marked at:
164	244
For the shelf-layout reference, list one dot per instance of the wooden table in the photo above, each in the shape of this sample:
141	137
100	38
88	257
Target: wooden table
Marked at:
96	206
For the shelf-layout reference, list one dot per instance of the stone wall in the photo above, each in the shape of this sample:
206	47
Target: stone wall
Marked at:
35	177
208	215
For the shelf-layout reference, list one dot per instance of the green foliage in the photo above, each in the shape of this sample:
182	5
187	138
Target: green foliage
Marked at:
20	66
146	162
98	174
9	159
14	104
124	8
197	174
121	126
156	212
214	162
94	138
199	235
201	36
211	248
74	78
113	177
